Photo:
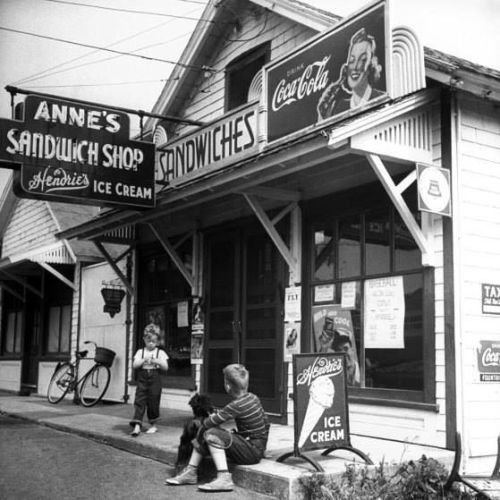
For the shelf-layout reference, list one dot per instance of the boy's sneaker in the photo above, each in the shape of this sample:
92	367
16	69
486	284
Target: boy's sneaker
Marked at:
223	482
188	476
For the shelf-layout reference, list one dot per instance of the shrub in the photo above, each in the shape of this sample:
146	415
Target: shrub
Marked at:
423	479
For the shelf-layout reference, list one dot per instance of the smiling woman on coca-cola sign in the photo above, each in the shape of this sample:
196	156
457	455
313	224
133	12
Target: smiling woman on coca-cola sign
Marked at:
357	76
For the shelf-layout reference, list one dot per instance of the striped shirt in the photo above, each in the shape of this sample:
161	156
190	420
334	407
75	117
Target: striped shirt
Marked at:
247	412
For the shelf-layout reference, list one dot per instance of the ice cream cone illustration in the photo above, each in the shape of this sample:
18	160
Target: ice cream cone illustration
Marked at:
321	394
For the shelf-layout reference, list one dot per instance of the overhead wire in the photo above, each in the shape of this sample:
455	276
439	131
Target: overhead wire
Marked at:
88	63
110	84
129	11
140	56
41	74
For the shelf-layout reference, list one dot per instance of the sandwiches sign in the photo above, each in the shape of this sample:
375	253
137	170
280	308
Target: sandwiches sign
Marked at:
77	153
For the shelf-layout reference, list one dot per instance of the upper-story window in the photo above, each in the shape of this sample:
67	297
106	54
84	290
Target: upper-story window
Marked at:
240	73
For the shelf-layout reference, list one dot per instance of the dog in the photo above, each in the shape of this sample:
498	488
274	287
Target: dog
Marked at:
202	407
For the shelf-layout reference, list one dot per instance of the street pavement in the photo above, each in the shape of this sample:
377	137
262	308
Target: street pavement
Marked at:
108	423
40	463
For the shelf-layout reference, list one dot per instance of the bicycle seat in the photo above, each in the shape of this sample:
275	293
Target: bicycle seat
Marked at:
82	354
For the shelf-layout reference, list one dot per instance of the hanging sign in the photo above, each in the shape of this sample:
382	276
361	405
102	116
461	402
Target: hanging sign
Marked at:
213	147
434	191
488	360
76	153
320	390
339	73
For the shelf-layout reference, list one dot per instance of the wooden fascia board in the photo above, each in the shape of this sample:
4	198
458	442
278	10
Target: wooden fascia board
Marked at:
58	275
273	193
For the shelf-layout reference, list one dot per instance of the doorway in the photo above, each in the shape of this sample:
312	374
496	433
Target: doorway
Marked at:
245	282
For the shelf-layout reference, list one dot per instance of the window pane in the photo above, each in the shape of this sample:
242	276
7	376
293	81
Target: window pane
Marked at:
260	363
222	278
65	328
324	256
261	323
401	368
10	334
261	270
407	254
349	247
378	249
54	329
19	324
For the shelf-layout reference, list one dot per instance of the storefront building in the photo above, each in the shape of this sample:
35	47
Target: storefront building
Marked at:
300	211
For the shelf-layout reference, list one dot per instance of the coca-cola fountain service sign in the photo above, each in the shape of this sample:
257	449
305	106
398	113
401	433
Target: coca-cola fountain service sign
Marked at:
315	83
488	361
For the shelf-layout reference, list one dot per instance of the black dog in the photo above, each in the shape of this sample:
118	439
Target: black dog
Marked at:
202	407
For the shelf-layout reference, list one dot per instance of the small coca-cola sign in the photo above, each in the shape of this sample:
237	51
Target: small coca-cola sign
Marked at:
488	361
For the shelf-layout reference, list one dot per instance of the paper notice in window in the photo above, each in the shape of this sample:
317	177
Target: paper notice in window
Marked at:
293	303
384	313
182	314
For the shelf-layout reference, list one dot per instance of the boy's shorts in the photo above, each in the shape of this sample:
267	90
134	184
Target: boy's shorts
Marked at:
238	449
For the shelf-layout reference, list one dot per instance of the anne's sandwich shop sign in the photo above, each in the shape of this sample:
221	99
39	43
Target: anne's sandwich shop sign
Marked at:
77	153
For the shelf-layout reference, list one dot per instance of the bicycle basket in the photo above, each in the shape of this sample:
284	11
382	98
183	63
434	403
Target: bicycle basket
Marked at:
104	356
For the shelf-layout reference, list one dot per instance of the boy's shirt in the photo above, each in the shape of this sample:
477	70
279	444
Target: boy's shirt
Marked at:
247	412
156	353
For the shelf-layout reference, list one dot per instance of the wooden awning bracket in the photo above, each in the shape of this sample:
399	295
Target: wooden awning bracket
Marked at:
58	275
292	254
116	269
12	291
172	253
395	193
22	282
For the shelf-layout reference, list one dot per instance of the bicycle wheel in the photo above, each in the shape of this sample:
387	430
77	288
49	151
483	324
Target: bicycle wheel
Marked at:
94	385
61	382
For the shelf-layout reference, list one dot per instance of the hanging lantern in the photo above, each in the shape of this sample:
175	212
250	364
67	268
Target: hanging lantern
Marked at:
113	296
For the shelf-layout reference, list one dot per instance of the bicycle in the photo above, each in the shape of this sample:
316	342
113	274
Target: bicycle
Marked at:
93	384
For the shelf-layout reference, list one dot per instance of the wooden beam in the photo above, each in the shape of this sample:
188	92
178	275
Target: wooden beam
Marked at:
273	234
115	268
173	255
22	282
401	206
272	193
12	291
58	275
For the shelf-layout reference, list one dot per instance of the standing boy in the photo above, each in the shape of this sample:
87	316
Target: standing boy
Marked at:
245	446
148	362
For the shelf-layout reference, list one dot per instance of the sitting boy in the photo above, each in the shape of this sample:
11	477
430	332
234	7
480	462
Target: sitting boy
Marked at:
245	446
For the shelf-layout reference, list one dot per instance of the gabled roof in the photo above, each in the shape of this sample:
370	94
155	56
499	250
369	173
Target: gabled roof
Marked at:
220	13
206	36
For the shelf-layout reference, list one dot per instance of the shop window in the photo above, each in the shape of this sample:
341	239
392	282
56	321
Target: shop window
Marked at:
12	333
165	305
58	329
367	294
240	73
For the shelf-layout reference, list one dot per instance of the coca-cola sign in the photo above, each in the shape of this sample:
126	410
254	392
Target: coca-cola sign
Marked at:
339	73
488	361
77	153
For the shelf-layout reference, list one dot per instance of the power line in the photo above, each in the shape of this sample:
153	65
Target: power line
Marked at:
137	82
46	73
189	66
130	11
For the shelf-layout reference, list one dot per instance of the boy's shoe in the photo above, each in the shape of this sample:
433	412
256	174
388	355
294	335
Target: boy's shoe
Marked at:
152	429
188	476
223	482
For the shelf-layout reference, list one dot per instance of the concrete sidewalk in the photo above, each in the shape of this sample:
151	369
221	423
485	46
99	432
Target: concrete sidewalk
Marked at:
109	424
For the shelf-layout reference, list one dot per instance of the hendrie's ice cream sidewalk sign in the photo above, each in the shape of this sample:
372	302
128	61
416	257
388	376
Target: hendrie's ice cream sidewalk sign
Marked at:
75	153
320	404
